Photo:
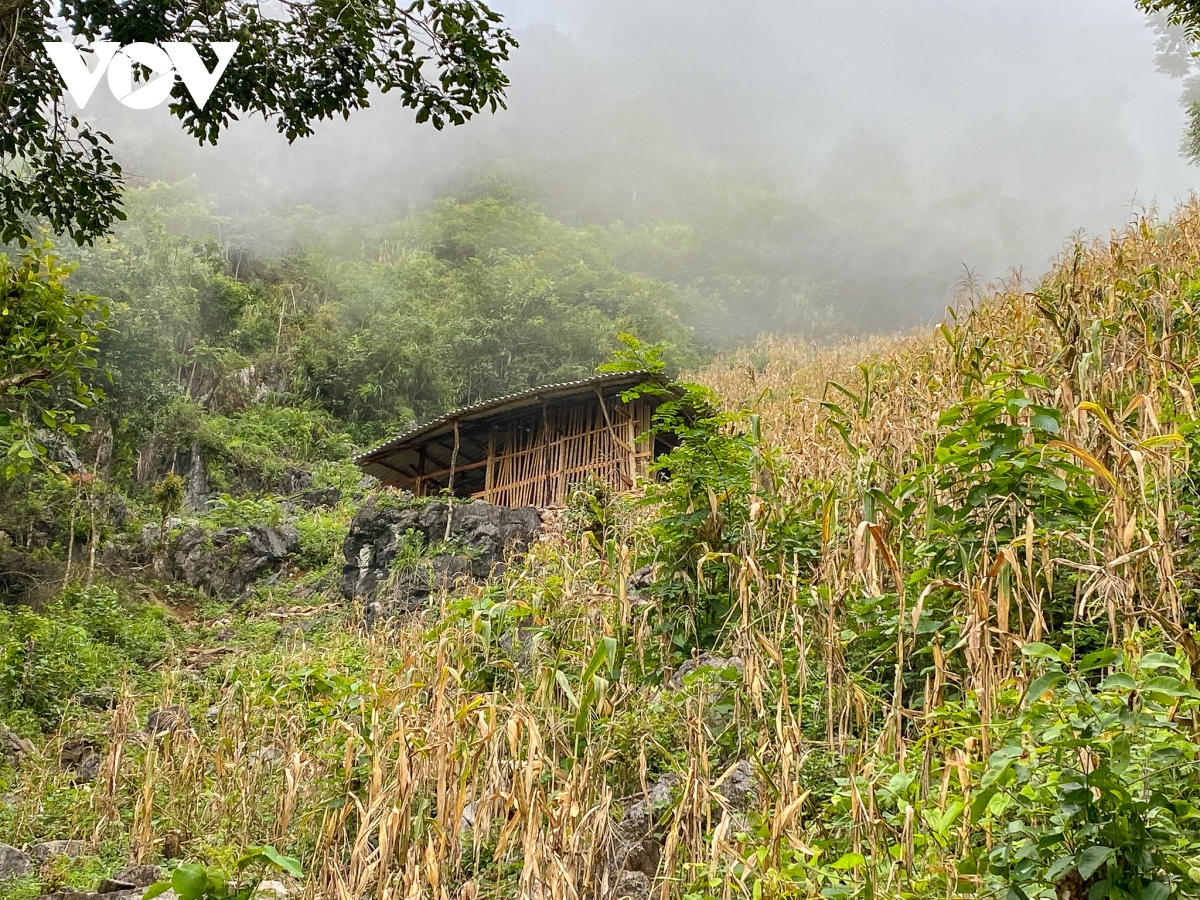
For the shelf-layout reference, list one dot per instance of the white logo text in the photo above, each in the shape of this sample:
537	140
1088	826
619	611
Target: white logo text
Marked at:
175	57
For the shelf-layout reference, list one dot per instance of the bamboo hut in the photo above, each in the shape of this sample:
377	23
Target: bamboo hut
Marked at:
530	448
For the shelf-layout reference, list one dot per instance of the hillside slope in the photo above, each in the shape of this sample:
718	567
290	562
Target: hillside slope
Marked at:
914	618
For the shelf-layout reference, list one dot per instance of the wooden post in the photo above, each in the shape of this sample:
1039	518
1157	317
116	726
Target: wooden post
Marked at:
631	442
450	489
453	458
544	479
420	484
491	463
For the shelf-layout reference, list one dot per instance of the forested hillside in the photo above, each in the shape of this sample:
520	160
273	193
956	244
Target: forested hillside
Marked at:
902	617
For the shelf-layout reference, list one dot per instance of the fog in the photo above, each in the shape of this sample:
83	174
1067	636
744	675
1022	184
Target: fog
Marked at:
855	156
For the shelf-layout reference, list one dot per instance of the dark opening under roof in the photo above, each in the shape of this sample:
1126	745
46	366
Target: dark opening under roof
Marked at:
374	461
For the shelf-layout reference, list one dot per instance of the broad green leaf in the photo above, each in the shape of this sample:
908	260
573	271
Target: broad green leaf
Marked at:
1092	859
1038	650
1044	422
1098	659
189	881
1165	684
1157	660
287	864
849	861
979	803
1043	684
1121	681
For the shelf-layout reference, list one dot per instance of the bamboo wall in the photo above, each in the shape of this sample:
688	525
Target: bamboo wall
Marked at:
535	460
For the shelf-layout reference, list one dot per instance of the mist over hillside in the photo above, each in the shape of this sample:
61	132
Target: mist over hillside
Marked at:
842	165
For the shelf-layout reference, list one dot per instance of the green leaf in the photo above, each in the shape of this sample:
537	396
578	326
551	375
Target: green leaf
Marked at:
156	890
1092	859
594	666
1038	650
1121	681
189	881
561	677
1156	890
288	864
1043	684
610	650
1098	659
849	861
1165	684
979	804
1044	422
1157	660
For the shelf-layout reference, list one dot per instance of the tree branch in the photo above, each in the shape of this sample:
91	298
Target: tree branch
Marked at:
24	378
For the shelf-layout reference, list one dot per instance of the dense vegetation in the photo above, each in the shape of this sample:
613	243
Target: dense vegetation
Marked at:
939	588
344	338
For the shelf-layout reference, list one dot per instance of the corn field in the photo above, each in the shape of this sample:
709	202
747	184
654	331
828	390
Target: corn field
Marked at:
511	741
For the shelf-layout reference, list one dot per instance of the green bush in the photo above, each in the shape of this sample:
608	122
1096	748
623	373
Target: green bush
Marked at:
720	505
1096	785
47	659
136	631
321	535
81	643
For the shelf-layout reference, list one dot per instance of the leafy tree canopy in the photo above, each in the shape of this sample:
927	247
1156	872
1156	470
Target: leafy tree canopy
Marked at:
1178	25
297	62
49	336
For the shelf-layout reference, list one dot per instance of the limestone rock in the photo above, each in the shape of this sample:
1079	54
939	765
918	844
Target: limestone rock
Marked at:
228	561
271	890
80	754
641	815
167	719
115	886
13	863
195	497
56	850
481	533
15	748
139	876
60	452
705	661
632	885
294	480
640	580
740	786
319	497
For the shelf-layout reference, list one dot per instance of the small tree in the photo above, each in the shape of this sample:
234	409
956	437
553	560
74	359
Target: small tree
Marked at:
48	341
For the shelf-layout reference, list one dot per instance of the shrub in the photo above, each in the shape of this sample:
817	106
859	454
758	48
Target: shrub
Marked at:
80	644
45	660
1094	788
321	535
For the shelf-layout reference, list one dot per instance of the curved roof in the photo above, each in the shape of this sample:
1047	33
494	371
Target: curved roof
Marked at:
611	382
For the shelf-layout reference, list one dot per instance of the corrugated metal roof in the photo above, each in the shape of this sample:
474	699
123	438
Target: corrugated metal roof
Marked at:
546	391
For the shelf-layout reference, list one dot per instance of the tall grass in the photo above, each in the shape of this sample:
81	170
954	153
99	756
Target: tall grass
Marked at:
437	759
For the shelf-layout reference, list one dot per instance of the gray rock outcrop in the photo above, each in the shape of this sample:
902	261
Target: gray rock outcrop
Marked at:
225	563
636	842
56	850
705	660
480	535
15	748
13	863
